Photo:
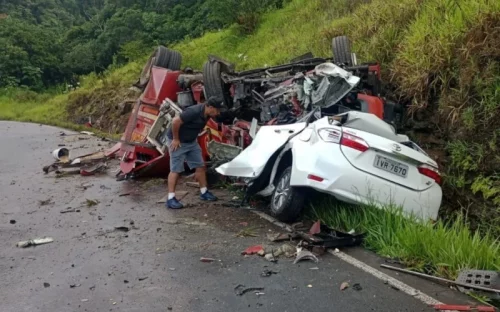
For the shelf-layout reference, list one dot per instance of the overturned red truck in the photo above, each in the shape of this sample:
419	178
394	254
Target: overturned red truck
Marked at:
275	95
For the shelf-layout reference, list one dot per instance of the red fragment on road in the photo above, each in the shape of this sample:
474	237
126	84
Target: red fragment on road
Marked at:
253	250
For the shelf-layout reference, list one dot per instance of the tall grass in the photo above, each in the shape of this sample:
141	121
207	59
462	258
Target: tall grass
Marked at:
443	248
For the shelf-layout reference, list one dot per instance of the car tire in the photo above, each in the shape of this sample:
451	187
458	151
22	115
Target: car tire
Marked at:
214	86
341	48
287	202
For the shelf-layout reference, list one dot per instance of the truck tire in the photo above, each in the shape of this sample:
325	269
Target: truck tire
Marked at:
341	48
175	60
161	57
214	86
287	201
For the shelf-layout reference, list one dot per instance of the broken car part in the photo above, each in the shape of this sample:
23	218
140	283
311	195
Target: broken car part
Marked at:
440	279
303	254
240	290
34	242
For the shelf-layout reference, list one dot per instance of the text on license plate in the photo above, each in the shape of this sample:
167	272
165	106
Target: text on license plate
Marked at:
391	166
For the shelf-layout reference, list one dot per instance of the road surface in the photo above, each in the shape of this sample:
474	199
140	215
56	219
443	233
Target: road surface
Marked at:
156	265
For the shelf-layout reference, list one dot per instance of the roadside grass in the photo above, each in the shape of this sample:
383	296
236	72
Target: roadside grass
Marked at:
442	248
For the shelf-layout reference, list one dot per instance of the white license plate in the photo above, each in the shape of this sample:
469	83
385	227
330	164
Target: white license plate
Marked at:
391	166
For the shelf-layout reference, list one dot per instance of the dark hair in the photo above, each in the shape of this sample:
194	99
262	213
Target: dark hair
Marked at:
214	102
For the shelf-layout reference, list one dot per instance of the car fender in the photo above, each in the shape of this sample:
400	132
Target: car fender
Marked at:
252	161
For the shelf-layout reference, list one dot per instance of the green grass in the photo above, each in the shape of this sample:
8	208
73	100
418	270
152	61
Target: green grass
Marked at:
442	248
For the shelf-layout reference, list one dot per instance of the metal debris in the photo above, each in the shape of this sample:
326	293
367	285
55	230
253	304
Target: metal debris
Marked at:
122	228
34	242
203	259
241	290
267	273
303	254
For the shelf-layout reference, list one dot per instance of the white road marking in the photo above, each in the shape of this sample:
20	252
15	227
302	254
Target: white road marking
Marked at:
426	299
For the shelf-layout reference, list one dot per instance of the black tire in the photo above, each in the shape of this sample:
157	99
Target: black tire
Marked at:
161	57
214	86
175	60
290	205
341	48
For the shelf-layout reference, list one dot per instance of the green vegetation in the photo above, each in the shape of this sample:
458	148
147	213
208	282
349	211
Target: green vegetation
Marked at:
442	249
441	58
47	42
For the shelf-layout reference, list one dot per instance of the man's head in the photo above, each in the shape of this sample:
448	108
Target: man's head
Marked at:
213	106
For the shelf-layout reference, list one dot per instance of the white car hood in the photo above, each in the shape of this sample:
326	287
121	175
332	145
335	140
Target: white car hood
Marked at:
251	161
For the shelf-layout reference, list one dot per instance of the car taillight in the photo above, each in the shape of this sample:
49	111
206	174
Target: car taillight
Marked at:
430	172
354	142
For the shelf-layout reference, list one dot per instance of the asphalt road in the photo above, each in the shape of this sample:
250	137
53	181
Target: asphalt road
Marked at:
156	265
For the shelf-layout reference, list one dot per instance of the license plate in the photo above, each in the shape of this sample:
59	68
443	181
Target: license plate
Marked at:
391	166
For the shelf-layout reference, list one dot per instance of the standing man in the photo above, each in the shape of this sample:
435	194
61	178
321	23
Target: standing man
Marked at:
183	146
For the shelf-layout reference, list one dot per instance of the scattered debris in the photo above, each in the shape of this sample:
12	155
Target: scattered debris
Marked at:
92	287
344	285
315	268
258	293
178	194
87	132
247	232
46	285
12	221
303	254
171	269
92	170
45	202
309	286
61	154
74	285
278	237
203	259
440	279
143	278
91	202
316	228
122	228
85	300
241	290
124	194
357	287
244	223
69	209
193	184
267	273
450	307
270	257
125	281
34	242
104	187
253	250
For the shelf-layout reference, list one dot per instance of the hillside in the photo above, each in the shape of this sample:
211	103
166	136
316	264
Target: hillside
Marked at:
440	58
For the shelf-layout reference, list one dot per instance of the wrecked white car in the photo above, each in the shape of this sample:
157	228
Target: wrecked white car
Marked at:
355	156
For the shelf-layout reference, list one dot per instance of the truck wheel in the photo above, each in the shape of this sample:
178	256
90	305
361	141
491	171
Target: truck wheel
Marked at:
287	201
175	60
341	48
214	86
161	57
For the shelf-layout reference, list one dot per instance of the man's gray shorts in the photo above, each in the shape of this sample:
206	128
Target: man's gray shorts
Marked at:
189	152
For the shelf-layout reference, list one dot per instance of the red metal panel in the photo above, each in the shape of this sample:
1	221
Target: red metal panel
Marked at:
375	104
161	85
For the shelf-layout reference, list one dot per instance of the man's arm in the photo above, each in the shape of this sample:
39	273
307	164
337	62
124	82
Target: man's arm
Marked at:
176	125
186	116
